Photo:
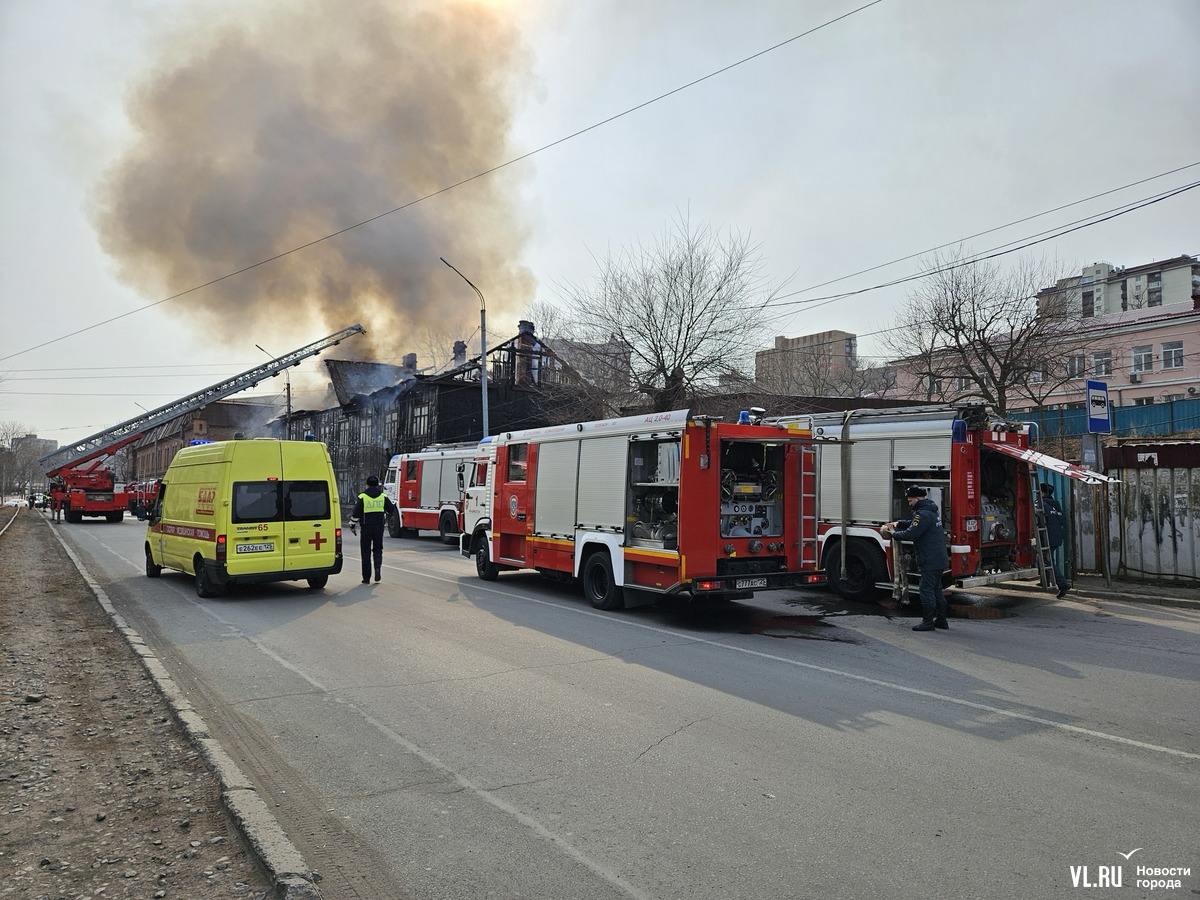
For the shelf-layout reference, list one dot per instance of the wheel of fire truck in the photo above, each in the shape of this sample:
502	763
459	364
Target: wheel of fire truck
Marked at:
865	567
448	528
318	582
114	516
393	526
204	584
484	567
599	585
152	571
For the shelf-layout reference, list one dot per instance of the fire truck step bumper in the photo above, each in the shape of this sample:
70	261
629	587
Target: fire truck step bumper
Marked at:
747	584
996	578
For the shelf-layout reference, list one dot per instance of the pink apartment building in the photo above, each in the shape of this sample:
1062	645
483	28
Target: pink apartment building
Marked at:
1139	328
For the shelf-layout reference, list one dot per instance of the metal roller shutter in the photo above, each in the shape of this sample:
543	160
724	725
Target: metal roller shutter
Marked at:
922	452
602	464
870	482
431	477
554	500
448	490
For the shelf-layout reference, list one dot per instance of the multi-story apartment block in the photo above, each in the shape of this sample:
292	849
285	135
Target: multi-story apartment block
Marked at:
795	363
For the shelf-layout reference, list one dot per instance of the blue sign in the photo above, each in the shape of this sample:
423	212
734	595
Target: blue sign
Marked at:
1099	416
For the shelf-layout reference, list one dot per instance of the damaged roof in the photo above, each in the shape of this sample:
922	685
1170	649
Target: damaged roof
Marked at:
354	378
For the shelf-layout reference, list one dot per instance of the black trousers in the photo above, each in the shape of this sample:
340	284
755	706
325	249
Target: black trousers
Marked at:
933	601
370	543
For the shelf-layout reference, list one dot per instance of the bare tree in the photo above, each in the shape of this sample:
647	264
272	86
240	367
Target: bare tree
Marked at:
11	465
685	307
974	330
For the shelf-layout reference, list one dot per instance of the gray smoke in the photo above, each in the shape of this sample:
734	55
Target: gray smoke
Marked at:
256	134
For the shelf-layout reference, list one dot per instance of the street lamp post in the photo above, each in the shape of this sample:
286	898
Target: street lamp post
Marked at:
287	376
483	362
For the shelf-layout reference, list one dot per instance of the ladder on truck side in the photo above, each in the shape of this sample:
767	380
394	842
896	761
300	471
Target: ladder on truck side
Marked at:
809	562
1045	556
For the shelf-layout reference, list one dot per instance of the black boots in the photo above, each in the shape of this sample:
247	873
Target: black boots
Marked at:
925	625
940	622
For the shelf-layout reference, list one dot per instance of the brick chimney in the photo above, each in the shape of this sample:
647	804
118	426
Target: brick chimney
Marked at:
409	363
526	348
460	353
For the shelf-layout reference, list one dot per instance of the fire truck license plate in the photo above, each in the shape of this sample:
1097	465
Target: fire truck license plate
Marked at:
743	583
255	548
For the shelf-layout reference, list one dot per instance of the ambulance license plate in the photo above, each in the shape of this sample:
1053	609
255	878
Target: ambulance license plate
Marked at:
744	583
255	548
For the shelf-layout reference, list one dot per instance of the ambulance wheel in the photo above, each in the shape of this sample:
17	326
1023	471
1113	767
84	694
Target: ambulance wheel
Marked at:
204	584
865	568
447	529
318	582
599	585
152	571
394	529
484	567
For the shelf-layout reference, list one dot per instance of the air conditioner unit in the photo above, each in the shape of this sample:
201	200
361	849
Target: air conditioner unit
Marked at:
1192	390
1135	378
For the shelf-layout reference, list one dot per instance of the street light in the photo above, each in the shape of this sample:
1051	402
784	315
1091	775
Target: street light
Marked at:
287	375
483	363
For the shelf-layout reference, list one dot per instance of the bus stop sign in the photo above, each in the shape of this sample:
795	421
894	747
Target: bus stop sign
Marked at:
1099	414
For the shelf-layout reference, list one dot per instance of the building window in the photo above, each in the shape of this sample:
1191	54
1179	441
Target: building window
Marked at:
1037	376
1154	289
961	383
1171	398
1143	401
1102	363
1076	364
420	420
1143	359
1089	304
1172	355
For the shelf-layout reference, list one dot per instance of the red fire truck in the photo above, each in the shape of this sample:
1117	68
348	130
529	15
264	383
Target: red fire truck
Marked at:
647	505
142	496
978	469
87	492
426	489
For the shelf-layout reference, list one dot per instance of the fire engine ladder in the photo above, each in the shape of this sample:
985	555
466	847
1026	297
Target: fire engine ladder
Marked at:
106	442
1045	557
808	508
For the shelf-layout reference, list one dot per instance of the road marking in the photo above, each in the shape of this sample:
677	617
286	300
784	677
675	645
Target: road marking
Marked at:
615	879
864	679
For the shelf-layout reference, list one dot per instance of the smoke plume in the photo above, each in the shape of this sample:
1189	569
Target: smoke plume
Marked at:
262	131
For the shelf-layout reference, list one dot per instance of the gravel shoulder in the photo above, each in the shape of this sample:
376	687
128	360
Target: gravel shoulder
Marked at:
101	794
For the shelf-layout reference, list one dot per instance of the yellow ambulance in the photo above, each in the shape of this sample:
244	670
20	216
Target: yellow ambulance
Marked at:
247	512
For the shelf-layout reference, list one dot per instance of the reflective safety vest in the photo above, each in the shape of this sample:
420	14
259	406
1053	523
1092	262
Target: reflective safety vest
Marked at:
373	504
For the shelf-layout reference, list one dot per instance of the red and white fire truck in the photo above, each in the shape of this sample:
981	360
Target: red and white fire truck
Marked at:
93	491
979	470
647	505
426	489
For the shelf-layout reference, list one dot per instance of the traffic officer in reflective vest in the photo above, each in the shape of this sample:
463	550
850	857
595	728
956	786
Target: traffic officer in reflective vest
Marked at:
924	529
371	510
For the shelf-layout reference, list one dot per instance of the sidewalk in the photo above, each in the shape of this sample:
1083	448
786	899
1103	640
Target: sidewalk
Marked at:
1182	595
101	794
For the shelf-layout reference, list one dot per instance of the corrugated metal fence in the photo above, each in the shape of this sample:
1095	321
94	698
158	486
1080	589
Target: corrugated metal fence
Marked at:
1156	420
1153	515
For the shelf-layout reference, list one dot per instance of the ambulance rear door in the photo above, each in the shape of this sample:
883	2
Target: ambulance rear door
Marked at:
309	508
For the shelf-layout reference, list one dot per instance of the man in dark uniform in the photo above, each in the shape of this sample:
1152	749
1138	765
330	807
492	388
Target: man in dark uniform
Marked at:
1055	525
371	510
924	530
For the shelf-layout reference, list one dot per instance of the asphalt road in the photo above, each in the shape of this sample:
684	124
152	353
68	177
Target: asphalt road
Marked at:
436	736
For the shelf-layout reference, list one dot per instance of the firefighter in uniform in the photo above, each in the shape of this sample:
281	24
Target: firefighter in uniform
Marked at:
371	510
1055	521
924	529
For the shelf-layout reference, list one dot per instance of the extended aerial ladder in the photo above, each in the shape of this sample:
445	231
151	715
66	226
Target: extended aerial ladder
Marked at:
64	465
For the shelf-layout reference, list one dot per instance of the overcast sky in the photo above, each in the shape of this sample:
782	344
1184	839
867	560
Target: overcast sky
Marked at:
908	125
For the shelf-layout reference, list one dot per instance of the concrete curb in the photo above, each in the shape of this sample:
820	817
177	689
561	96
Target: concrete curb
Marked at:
291	876
1099	595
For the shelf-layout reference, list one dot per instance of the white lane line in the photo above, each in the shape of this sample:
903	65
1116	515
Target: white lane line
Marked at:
615	879
863	679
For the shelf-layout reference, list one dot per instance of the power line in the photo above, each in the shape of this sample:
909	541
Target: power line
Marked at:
994	229
457	184
995	252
